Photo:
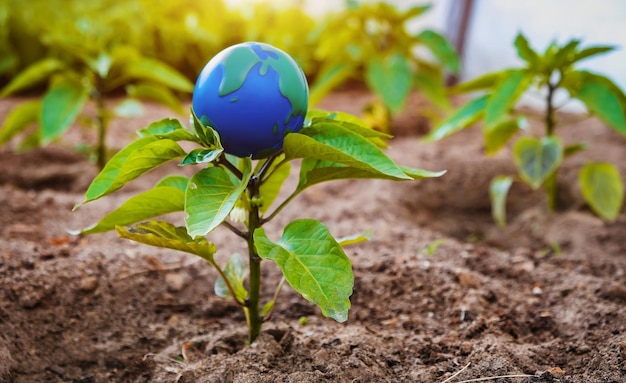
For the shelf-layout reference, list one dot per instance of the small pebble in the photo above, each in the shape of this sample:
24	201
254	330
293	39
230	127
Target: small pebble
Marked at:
89	283
176	281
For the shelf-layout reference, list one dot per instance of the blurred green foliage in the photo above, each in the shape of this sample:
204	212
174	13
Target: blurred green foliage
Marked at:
184	34
77	52
538	159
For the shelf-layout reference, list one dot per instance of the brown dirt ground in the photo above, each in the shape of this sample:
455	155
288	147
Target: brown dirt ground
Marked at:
496	301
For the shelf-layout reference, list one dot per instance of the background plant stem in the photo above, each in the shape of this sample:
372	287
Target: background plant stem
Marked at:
550	184
101	125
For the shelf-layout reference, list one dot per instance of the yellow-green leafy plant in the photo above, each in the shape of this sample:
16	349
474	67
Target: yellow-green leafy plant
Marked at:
85	62
371	42
538	159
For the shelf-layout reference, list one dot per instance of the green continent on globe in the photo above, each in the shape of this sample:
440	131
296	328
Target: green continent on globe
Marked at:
239	62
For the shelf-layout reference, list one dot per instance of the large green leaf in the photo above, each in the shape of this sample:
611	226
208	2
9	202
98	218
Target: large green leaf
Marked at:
461	119
349	122
498	191
603	100
330	141
211	195
496	136
536	158
149	204
313	263
235	271
314	171
60	106
505	95
165	235
20	118
179	182
158	71
33	75
390	77
603	189
131	162
441	49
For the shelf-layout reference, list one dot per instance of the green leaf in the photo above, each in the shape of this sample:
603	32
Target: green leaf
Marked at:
331	142
210	197
60	106
486	81
155	92
433	88
165	235
168	128
313	263
149	204
131	162
591	51
565	55
314	171
496	136
461	119
504	97
525	51
328	80
201	156
390	77
207	135
235	271
603	189
602	100
536	158
158	71
20	118
316	115
179	182
441	49
32	75
349	122
572	149
498	191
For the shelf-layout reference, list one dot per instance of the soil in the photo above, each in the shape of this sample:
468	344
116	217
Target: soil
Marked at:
441	294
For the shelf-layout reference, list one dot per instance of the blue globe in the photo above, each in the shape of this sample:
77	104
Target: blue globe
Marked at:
253	94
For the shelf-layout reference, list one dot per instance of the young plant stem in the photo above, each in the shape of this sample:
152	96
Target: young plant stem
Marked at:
280	207
252	303
101	124
550	184
232	228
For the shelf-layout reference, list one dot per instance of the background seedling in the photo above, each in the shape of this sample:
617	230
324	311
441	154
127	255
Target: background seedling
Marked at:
539	158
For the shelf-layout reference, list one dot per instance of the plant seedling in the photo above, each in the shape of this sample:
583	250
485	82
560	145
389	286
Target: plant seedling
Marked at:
238	192
538	158
86	62
371	42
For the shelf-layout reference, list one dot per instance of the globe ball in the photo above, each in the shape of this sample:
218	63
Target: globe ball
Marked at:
253	94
